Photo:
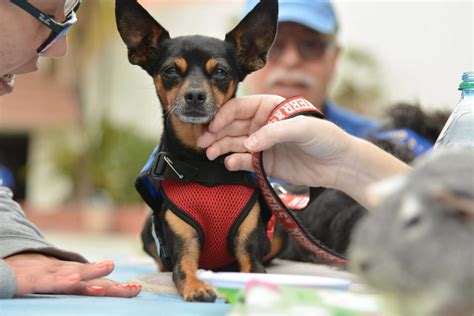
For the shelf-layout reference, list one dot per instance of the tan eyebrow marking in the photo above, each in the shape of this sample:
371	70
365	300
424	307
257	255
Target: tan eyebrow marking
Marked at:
211	65
181	64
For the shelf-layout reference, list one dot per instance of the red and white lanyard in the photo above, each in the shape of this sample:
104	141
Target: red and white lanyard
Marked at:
285	110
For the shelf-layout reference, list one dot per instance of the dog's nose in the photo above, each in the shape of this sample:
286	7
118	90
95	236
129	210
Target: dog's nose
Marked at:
195	97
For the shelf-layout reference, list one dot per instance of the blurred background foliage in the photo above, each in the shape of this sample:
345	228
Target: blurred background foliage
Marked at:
115	155
100	158
358	83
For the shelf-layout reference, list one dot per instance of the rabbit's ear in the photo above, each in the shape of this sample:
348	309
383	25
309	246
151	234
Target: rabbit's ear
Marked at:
379	191
460	204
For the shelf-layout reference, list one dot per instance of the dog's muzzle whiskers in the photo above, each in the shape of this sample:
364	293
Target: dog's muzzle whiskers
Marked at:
168	115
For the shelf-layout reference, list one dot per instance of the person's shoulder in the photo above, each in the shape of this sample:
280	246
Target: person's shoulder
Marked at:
353	123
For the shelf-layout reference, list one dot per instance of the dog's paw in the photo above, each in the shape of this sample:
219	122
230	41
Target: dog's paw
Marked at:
199	292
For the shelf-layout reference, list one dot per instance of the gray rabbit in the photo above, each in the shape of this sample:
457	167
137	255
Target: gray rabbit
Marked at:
417	246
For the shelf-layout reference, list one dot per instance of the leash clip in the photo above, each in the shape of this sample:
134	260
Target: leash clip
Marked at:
170	163
161	160
279	188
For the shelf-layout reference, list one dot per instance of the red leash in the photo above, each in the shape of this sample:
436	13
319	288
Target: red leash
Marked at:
285	110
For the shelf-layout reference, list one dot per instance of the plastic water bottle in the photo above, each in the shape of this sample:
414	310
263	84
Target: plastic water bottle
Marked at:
459	129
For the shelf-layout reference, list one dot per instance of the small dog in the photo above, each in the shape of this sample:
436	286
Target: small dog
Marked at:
193	77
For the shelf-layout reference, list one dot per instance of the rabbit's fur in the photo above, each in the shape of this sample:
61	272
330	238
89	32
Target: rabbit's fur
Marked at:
418	245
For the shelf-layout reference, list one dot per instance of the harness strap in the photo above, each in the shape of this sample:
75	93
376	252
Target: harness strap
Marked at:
205	172
285	110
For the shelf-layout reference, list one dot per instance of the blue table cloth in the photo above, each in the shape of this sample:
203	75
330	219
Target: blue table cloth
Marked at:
147	303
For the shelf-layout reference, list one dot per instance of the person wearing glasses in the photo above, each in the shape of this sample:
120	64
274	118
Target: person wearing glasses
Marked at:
28	263
303	59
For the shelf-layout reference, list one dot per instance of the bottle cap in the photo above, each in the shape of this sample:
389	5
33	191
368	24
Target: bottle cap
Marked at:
467	80
463	85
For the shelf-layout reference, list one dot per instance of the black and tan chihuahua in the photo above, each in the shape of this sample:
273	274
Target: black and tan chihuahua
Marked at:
194	76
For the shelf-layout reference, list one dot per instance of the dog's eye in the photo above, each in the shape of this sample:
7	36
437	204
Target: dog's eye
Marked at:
172	71
219	72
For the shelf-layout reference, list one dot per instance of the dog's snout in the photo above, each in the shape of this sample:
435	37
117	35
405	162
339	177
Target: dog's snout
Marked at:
195	97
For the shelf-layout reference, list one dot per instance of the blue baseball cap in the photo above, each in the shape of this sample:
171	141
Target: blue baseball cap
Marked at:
316	14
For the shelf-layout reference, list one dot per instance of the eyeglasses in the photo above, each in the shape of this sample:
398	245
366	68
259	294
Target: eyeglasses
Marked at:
308	49
58	30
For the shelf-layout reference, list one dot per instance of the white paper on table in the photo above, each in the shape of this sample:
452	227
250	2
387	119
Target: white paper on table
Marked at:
237	280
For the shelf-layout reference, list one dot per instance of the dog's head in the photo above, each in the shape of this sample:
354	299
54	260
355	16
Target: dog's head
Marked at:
195	75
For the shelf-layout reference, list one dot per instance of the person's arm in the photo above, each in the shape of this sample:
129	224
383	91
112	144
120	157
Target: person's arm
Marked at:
301	150
18	235
30	264
368	164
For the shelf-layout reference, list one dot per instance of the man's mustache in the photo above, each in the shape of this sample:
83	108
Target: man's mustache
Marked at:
295	77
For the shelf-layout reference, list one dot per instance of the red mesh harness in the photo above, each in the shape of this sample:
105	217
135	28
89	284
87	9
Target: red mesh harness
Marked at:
216	213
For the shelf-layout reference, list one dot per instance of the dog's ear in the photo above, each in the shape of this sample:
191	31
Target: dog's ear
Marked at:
139	30
254	35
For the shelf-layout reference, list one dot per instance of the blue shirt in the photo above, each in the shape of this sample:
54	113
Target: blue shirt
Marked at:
349	121
363	127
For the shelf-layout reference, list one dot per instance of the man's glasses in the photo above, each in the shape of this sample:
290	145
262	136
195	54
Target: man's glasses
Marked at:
58	30
308	49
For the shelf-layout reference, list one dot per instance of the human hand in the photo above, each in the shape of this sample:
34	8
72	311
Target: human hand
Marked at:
37	273
301	150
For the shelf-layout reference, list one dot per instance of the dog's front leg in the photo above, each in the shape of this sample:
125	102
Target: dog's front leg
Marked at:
186	249
250	243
